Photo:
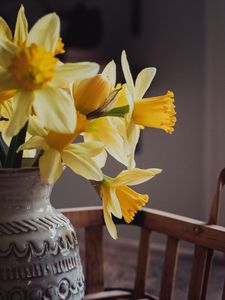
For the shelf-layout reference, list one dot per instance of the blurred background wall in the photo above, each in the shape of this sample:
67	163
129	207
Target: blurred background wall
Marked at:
185	41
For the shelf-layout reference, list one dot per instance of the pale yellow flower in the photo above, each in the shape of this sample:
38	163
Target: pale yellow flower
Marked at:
120	200
29	66
59	151
156	112
160	109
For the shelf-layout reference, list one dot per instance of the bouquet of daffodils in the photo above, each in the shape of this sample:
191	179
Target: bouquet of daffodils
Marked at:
45	105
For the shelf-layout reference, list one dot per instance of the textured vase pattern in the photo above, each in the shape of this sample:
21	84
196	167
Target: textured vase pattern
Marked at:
39	254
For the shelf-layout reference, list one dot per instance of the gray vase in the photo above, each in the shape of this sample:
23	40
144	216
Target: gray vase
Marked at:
39	254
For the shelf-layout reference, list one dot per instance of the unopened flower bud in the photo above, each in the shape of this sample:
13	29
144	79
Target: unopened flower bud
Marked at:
90	94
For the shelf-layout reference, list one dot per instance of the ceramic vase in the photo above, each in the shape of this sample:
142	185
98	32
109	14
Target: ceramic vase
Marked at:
39	253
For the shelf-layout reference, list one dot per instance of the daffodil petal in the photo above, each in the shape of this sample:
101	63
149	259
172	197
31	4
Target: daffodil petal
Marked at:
7	50
82	165
67	73
100	159
115	204
111	227
7	80
127	72
35	127
22	102
134	176
133	134
45	32
110	72
91	149
113	141
21	30
5	31
55	109
50	165
35	142
143	82
29	153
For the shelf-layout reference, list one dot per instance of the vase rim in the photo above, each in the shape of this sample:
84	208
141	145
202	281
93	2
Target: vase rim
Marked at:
18	170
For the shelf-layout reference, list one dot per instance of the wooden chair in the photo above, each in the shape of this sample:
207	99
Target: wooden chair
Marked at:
206	238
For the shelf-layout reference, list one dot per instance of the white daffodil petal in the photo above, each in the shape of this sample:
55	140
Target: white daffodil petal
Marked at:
126	71
134	176
110	72
50	165
143	82
90	149
5	31
22	102
35	142
55	109
21	30
82	165
115	204
45	32
7	51
67	73
108	220
7	80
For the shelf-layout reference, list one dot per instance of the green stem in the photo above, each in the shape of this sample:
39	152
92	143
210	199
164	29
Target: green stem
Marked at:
2	152
14	159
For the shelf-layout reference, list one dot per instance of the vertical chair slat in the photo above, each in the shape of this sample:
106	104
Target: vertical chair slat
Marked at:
169	268
142	263
94	276
197	273
207	272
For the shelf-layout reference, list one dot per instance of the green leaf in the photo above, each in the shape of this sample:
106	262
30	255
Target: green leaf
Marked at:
2	152
117	112
14	159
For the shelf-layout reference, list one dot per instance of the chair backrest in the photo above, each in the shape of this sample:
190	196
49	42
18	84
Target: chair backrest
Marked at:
206	238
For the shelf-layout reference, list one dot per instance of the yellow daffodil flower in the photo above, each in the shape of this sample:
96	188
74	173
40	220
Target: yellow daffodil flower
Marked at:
156	112
120	200
59	152
29	66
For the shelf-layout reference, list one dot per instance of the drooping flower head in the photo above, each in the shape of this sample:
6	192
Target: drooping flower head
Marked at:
120	200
